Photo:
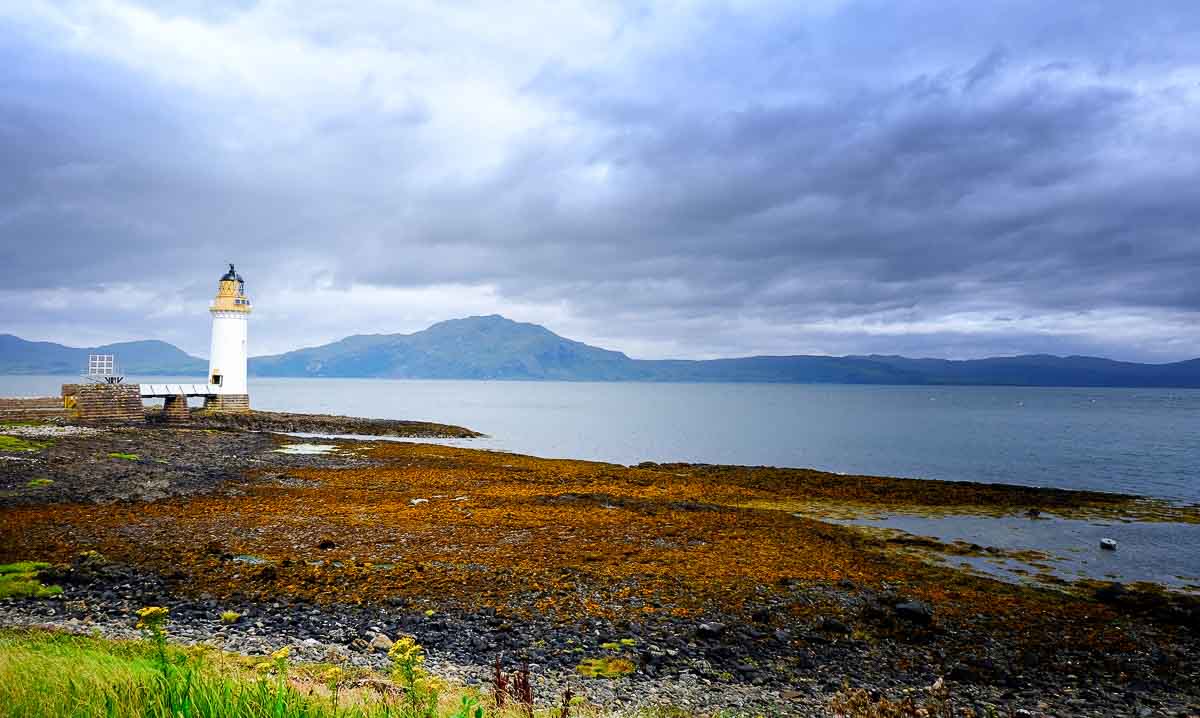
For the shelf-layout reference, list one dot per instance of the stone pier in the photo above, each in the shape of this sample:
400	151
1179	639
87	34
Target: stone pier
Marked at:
103	403
175	409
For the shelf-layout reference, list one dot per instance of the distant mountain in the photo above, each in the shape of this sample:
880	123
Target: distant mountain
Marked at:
1046	370
472	348
493	347
18	356
497	348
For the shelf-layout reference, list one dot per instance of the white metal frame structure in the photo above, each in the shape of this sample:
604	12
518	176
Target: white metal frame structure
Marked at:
103	369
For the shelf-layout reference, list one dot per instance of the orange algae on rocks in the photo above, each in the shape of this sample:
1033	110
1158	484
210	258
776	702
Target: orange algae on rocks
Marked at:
467	529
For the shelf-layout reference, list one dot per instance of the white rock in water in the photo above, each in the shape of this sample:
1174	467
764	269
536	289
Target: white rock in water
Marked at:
1109	544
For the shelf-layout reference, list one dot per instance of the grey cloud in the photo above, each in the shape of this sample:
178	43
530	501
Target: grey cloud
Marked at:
886	161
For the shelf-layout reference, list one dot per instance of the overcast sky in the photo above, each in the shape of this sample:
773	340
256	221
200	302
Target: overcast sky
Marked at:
670	179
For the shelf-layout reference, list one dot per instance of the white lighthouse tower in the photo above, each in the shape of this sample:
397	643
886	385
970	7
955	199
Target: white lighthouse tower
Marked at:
227	358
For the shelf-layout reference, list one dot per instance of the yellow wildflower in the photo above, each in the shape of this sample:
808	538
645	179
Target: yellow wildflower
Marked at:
282	653
407	651
332	676
151	617
427	683
200	650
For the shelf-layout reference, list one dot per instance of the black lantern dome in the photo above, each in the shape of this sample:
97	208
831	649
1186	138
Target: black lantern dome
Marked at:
232	276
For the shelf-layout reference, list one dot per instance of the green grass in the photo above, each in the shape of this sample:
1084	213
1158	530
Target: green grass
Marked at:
19	580
45	673
56	674
122	455
39	483
605	667
22	567
16	443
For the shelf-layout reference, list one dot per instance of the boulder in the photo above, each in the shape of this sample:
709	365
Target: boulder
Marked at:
710	630
380	643
917	612
833	625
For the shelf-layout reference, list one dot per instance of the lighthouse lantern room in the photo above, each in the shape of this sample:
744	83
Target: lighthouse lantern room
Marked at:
227	358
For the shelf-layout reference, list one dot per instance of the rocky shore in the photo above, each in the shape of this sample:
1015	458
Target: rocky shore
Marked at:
699	667
292	423
635	586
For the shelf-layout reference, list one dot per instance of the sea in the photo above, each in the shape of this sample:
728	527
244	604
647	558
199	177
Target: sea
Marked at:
1137	441
1140	441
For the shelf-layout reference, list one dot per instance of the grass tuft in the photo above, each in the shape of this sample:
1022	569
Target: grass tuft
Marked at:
605	667
19	580
122	455
22	567
16	443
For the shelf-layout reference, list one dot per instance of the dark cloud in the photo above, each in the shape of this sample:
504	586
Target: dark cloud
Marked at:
913	177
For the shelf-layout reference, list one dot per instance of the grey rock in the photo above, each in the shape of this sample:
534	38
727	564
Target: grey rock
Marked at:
917	612
380	644
833	625
710	630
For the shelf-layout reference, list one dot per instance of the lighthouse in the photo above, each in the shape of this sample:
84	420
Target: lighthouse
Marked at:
227	358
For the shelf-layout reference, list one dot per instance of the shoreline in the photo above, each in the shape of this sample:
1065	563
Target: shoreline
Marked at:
720	586
286	422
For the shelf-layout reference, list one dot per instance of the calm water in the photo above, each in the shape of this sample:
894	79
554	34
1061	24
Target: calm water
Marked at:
1130	440
1161	553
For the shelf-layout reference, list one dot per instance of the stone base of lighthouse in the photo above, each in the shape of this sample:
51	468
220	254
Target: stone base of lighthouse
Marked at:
228	403
175	410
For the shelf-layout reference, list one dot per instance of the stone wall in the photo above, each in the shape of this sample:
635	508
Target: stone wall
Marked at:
32	408
104	403
175	410
227	403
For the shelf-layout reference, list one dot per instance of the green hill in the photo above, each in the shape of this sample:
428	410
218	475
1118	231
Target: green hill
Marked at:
494	347
151	357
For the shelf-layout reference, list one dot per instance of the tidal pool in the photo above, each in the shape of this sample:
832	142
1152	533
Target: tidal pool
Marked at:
306	449
1162	553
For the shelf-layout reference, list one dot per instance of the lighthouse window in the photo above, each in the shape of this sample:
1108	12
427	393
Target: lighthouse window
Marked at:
216	379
